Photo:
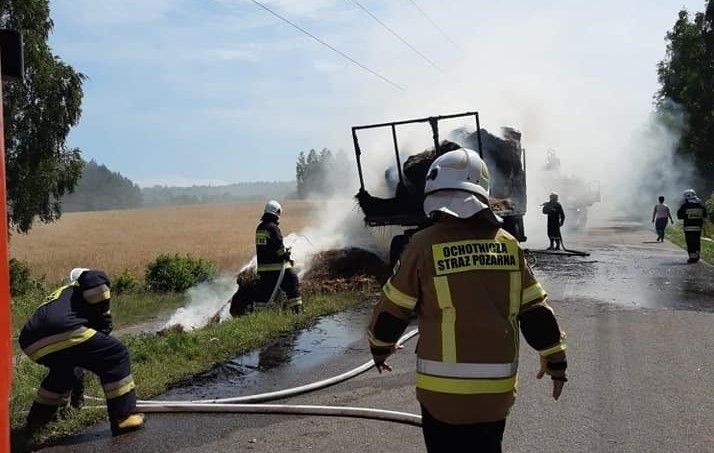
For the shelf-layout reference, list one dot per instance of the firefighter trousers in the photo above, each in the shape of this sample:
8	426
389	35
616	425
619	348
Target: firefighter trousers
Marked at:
694	244
441	437
290	284
104	356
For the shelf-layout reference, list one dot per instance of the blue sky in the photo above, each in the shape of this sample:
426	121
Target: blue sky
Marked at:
220	91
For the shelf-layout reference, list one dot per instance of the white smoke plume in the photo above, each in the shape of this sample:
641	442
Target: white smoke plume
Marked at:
337	224
203	302
576	79
653	168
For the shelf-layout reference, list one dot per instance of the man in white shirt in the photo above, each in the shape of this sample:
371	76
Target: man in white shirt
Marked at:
660	214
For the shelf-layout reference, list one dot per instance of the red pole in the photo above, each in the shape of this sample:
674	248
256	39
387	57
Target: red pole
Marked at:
5	314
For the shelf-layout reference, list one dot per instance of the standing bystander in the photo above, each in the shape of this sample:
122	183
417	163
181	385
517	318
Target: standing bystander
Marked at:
660	214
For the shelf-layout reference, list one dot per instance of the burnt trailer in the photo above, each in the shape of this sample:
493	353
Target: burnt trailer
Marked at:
504	156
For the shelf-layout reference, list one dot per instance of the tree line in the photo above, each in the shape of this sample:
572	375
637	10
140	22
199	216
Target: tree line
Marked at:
686	76
321	173
100	189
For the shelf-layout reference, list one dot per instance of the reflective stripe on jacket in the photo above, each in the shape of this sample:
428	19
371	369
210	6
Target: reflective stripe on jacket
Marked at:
70	315
467	281
693	215
269	249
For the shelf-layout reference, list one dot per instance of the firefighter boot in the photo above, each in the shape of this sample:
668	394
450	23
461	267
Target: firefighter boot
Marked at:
131	423
39	416
76	399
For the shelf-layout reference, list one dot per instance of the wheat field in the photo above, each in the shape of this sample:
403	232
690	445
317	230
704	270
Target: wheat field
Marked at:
130	239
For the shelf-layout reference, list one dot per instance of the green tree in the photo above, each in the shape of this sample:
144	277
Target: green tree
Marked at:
322	173
686	76
38	115
101	189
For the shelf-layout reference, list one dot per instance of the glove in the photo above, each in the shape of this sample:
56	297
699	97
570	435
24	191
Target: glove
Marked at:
380	355
556	370
380	358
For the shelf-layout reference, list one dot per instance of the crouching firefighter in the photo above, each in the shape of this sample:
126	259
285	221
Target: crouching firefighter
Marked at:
692	212
468	283
70	332
275	267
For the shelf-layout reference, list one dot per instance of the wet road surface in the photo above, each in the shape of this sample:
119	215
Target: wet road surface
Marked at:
640	331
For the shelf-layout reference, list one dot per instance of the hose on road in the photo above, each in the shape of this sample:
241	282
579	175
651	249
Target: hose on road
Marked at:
240	404
330	411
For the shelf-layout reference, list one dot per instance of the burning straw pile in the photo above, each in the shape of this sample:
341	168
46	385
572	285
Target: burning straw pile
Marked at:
351	269
332	271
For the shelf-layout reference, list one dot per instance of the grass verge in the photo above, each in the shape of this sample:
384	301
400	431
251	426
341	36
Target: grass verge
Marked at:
159	361
127	309
676	236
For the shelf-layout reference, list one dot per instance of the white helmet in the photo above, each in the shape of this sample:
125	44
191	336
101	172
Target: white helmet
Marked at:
457	184
553	196
75	273
273	207
690	195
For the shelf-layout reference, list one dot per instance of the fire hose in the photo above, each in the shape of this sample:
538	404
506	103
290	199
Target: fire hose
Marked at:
241	404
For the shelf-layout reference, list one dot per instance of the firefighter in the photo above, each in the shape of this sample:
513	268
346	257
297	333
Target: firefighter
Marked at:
70	332
693	212
556	218
275	267
466	280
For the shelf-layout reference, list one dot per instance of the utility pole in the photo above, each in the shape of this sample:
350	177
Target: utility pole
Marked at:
11	68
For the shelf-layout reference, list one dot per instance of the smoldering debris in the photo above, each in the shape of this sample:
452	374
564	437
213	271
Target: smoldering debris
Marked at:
347	269
331	271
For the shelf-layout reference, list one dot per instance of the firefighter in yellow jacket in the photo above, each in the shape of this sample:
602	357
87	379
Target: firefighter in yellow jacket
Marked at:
472	291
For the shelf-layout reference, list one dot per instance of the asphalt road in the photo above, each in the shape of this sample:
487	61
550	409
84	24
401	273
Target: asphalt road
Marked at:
640	326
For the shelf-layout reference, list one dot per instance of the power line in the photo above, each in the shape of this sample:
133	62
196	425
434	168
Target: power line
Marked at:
327	45
396	35
433	23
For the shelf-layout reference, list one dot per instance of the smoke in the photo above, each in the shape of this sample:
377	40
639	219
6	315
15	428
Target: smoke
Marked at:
336	224
203	303
578	80
652	167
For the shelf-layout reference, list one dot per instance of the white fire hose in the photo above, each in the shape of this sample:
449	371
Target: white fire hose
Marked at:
241	404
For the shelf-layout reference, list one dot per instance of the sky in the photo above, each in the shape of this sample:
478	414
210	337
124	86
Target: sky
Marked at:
183	92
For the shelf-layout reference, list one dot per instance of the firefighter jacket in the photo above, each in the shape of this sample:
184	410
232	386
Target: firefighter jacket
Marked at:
469	284
693	215
270	250
554	210
70	315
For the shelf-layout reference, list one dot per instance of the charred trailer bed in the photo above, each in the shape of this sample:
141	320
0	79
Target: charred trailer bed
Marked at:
505	159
